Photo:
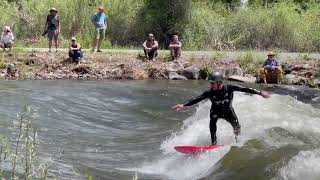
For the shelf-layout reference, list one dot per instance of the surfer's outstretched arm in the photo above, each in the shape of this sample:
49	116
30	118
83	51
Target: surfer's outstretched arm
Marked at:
249	90
193	101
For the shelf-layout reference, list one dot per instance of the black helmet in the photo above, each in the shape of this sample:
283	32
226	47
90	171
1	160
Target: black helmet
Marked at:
215	77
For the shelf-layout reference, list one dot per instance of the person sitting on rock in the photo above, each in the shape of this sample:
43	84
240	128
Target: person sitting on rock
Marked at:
175	48
6	40
150	47
270	68
75	53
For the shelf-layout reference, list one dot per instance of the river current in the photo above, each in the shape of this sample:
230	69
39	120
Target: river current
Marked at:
127	130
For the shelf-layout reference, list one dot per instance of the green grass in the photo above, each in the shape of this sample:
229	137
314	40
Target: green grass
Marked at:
21	151
204	25
250	62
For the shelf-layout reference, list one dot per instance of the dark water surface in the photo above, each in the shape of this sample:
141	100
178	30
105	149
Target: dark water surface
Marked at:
122	129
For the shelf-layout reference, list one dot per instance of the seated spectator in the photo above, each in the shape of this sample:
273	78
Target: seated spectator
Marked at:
6	40
150	47
75	53
271	68
175	48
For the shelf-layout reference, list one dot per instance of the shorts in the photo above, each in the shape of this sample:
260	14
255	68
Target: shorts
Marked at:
53	34
7	45
100	34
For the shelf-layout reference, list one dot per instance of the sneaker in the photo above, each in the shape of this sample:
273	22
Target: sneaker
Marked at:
99	50
49	51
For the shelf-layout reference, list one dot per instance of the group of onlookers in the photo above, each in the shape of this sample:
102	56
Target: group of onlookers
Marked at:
151	46
53	28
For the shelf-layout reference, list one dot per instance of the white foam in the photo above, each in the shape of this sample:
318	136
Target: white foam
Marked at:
305	165
255	115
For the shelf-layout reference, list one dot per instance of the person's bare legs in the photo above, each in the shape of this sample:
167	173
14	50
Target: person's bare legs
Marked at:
50	45
99	44
101	36
172	53
56	43
94	44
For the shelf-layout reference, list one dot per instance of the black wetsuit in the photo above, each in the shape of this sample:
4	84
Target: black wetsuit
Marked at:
222	106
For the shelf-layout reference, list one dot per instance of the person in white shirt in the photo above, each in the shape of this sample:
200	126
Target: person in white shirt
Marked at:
6	40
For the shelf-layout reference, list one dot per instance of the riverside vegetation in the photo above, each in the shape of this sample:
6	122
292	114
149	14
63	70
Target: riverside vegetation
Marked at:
18	153
288	25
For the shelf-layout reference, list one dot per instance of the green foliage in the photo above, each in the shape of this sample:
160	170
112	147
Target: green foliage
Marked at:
3	63
250	63
20	152
227	25
165	56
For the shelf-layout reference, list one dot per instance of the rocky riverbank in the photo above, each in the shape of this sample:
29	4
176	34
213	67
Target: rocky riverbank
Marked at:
304	70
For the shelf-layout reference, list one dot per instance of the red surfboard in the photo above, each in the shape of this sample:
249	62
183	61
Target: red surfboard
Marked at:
195	149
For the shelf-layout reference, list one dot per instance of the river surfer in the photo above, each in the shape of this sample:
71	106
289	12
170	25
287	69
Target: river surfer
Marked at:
221	96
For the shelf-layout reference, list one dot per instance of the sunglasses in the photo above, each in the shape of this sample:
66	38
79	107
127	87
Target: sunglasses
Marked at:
216	82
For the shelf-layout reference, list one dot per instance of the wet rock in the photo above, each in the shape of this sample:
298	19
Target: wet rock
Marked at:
176	76
191	72
242	79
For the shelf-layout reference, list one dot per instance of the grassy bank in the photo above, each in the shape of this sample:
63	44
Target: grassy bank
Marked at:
206	25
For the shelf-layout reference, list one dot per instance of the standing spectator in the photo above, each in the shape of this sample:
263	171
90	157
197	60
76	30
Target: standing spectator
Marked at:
75	53
52	27
7	38
150	47
175	48
99	21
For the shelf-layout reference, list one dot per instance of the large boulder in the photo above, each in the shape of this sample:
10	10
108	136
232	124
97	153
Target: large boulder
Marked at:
191	72
242	79
176	76
174	66
234	71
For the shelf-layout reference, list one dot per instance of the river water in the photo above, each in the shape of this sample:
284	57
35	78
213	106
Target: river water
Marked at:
127	130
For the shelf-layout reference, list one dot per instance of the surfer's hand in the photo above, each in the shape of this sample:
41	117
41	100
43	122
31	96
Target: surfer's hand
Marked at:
264	94
178	106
